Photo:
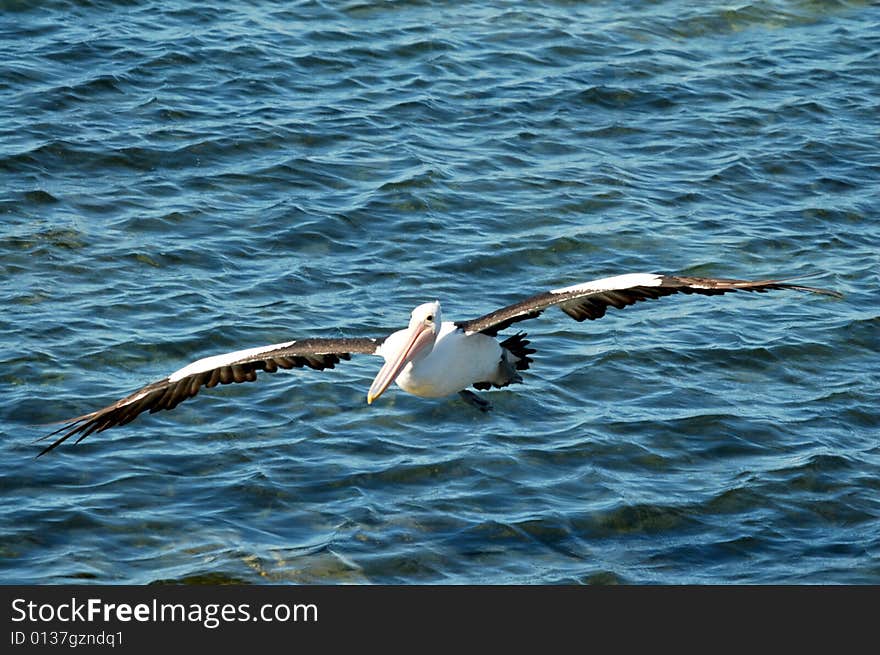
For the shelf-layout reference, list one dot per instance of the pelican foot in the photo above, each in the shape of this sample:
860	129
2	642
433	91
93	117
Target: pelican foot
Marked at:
473	399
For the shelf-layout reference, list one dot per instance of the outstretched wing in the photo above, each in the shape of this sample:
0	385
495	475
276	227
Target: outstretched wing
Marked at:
589	300
239	366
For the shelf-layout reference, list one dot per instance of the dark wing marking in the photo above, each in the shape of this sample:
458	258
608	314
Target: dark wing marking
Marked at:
239	366
591	299
518	346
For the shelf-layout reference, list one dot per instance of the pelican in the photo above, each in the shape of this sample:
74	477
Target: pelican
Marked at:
430	358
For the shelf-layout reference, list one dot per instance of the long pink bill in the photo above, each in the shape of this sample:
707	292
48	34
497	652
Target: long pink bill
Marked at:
418	338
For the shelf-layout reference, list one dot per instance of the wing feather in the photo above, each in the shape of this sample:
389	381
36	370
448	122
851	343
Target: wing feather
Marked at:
235	367
590	300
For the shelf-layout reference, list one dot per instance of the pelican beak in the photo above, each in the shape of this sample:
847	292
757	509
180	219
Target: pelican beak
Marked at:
418	338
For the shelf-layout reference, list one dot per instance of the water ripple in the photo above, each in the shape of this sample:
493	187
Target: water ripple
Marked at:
182	180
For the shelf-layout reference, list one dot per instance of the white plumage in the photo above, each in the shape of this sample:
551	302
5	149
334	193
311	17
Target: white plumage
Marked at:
454	363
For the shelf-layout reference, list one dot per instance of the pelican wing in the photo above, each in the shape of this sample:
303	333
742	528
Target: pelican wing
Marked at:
590	300
238	366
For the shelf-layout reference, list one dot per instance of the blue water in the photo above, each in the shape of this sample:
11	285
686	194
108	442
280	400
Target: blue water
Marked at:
180	181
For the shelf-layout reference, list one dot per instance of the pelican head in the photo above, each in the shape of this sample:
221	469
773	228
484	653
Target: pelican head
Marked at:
414	343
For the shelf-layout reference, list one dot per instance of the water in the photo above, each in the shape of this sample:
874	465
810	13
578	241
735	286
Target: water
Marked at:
179	181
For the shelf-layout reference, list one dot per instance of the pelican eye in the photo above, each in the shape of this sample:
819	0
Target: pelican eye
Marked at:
429	318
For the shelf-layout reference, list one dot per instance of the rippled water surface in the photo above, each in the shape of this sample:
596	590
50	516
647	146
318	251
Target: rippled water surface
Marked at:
180	180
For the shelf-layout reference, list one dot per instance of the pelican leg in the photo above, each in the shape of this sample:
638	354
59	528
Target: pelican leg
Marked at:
473	399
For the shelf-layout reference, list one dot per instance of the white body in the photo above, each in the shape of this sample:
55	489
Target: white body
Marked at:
454	363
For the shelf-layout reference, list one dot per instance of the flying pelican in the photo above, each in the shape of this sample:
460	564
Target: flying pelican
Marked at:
430	358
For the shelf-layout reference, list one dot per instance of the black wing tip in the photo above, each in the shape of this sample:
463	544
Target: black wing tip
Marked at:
721	285
81	424
45	450
52	446
833	293
825	292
